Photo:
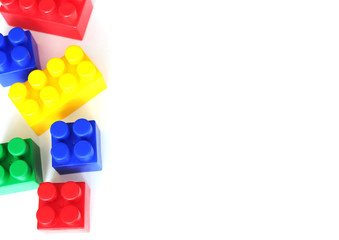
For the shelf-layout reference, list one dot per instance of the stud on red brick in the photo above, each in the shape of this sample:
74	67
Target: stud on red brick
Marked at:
63	206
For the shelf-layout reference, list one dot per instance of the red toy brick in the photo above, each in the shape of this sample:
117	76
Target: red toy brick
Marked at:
63	206
67	18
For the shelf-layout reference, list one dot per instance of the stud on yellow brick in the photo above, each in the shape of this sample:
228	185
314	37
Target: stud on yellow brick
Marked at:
51	94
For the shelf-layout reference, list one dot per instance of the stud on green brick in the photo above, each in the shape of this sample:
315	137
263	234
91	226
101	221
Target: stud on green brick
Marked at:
20	166
17	147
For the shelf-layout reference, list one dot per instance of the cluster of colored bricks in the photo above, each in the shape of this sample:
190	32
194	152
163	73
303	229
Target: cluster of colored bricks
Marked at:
44	97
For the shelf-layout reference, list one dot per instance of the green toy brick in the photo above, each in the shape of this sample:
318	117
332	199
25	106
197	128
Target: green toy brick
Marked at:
20	166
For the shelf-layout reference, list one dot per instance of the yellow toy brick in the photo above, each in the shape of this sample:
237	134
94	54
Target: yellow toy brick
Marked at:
51	94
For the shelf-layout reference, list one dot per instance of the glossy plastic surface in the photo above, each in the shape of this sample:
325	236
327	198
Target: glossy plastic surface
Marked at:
52	94
18	56
76	147
20	166
59	17
63	206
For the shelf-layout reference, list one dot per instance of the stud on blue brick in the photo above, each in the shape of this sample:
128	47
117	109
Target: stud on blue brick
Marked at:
18	56
76	147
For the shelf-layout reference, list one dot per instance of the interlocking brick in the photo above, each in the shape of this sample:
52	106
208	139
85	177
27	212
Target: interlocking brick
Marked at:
59	17
76	147
51	94
18	56
20	166
63	206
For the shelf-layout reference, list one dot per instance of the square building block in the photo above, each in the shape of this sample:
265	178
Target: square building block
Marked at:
18	56
20	166
52	94
59	17
63	206
76	147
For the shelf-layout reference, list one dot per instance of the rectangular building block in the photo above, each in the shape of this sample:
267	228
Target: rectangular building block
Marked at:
63	206
55	92
76	147
18	56
59	17
20	166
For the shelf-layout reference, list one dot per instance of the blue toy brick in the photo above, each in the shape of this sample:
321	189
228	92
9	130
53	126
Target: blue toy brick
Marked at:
18	56
76	147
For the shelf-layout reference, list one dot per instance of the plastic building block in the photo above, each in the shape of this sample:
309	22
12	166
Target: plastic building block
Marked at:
20	166
63	206
18	56
76	147
59	17
51	94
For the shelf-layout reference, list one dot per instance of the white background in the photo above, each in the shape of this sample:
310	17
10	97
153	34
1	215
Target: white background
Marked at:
220	121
